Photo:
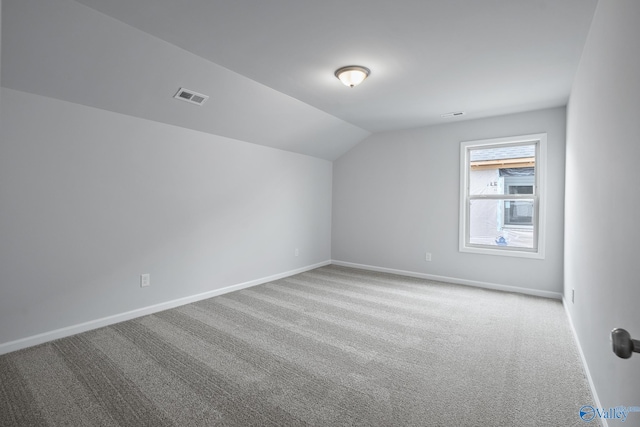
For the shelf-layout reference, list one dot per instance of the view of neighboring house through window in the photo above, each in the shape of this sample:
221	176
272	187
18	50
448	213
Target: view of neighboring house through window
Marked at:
502	194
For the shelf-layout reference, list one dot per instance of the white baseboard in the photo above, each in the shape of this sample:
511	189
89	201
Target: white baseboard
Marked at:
19	344
584	361
485	285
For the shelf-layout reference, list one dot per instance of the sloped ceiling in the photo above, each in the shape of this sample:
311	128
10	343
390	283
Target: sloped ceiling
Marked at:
268	65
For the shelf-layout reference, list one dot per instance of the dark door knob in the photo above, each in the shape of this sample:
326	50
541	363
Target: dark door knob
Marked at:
623	345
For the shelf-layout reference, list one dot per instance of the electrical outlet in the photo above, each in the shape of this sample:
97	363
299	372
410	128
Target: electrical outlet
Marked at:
427	256
145	280
297	252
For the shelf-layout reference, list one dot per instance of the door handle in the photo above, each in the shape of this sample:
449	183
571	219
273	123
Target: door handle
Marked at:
623	345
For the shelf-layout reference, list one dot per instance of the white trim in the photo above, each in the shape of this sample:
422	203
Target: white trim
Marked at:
584	361
454	280
540	195
19	344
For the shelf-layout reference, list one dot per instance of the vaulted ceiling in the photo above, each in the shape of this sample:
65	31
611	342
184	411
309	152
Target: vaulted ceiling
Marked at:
268	65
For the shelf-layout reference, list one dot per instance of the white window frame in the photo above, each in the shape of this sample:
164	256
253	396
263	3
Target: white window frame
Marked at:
539	196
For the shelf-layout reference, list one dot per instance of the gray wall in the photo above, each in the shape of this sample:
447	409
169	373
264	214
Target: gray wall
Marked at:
396	196
0	41
91	199
603	199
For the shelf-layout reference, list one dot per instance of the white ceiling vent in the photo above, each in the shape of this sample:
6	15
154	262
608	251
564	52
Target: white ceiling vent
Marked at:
455	114
191	96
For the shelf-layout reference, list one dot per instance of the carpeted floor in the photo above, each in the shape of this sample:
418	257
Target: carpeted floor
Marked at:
332	346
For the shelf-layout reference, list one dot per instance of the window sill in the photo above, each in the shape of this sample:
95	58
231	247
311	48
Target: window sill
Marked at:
503	251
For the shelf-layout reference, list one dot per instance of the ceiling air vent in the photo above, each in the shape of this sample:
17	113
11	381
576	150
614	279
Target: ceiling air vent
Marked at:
456	114
191	96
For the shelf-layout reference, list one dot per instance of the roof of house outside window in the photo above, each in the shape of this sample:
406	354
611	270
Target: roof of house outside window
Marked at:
500	153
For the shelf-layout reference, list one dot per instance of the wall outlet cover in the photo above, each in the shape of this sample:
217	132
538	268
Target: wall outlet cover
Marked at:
145	280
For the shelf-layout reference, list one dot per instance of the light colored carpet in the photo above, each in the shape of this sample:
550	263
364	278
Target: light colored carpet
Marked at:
332	346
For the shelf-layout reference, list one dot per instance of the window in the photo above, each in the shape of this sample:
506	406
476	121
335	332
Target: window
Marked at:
518	213
502	196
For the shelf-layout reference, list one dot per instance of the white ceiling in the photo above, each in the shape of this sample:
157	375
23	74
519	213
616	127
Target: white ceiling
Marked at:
268	65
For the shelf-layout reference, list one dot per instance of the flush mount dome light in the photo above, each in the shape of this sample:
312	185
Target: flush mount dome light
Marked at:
352	75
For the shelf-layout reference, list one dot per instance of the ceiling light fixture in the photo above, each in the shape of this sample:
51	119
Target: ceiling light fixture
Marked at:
352	75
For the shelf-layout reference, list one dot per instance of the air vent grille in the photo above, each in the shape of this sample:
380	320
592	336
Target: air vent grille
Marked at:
454	114
191	96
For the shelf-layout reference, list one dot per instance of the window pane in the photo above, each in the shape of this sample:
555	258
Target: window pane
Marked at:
494	170
518	212
484	181
501	223
520	189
